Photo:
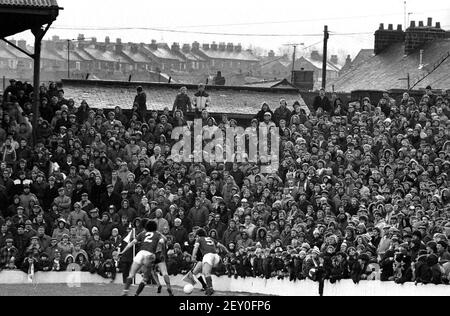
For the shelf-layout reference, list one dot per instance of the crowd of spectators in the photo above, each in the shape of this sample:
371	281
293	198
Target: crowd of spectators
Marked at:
362	190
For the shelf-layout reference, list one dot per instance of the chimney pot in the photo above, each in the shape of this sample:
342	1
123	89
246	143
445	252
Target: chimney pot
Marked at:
413	24
381	26
119	41
438	25
186	48
391	27
399	27
420	23
430	22
22	44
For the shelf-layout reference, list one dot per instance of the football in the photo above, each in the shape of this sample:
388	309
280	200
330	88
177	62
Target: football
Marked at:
188	289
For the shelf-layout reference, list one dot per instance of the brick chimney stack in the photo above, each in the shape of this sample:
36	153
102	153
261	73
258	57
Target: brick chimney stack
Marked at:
315	55
154	45
386	37
175	47
238	48
417	37
205	46
119	46
334	59
195	46
22	44
186	48
271	54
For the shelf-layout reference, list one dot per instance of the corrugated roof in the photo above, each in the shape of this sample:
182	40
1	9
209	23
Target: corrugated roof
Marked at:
383	71
242	55
29	3
240	101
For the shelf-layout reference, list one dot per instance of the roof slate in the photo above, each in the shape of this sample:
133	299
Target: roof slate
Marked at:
29	3
217	54
385	70
236	101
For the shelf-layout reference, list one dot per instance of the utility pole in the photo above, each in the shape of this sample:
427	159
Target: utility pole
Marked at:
68	58
293	63
325	57
406	15
294	57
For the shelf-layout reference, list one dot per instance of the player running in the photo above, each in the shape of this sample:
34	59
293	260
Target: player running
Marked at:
209	248
160	262
149	240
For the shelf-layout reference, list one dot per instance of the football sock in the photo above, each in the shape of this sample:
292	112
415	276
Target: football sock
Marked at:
128	284
202	281
209	282
140	288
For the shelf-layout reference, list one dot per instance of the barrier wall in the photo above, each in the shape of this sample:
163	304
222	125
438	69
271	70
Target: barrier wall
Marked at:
248	285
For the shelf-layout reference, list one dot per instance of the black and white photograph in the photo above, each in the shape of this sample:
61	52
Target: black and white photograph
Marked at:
220	155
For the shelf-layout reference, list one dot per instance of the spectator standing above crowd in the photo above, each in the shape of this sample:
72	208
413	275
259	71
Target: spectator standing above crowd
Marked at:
182	102
202	99
322	102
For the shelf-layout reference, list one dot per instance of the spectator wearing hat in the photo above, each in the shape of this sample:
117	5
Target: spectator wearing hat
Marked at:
86	205
267	123
63	202
77	214
8	254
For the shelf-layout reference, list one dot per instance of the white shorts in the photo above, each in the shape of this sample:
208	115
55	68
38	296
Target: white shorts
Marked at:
143	257
212	259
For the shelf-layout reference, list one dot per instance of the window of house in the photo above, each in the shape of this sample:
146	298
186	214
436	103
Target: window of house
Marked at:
78	65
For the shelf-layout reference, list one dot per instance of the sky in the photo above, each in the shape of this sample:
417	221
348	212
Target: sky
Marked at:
303	21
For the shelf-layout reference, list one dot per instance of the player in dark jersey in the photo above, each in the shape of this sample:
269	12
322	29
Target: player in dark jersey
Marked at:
160	262
149	240
209	248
